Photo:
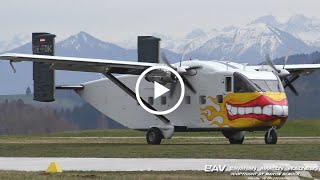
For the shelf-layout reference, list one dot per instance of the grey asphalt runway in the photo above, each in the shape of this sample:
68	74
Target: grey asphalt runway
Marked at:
144	164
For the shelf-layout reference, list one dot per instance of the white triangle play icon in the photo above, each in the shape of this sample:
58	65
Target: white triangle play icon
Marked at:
159	90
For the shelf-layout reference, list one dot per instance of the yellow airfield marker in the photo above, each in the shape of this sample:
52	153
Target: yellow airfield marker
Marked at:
54	168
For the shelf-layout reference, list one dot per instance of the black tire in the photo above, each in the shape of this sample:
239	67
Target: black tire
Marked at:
154	136
273	137
236	141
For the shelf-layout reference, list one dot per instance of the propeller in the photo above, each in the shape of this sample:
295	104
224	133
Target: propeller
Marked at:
286	58
282	73
181	71
291	87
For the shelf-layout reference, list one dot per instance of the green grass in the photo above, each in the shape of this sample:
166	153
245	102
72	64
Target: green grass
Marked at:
116	175
304	128
131	150
310	127
75	175
115	144
124	133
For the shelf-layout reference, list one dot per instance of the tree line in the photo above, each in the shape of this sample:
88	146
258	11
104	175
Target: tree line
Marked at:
17	117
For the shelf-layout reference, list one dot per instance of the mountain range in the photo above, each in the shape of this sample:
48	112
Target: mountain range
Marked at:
246	44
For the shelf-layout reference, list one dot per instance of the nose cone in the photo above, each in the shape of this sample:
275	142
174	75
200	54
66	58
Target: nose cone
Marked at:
283	73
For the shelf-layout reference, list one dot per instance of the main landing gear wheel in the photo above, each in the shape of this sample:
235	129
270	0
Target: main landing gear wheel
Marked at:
234	137
154	136
271	136
236	141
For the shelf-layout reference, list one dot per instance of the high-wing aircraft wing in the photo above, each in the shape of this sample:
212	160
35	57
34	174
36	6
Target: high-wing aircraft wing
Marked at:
289	73
294	68
82	64
106	67
300	68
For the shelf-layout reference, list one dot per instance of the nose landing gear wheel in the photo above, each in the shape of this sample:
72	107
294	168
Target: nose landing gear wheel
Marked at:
154	136
271	137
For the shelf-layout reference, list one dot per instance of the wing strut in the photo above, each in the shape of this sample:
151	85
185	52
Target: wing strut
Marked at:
132	94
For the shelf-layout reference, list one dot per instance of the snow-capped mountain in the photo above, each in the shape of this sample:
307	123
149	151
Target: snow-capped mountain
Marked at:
269	20
191	42
250	44
246	44
16	41
85	45
307	29
79	45
300	26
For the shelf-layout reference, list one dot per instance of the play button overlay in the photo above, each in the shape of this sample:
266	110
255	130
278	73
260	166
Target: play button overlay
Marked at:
160	90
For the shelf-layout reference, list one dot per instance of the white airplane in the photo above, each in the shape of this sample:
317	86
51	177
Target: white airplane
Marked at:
219	95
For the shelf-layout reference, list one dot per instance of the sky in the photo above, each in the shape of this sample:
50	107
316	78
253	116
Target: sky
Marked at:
117	20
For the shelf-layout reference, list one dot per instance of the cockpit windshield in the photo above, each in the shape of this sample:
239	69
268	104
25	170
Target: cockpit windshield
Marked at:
243	84
268	85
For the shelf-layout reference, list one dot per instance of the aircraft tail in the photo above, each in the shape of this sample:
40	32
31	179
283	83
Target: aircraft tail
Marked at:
43	75
149	49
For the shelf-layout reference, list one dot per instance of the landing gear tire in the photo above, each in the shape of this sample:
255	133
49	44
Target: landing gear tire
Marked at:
154	136
236	141
271	137
234	137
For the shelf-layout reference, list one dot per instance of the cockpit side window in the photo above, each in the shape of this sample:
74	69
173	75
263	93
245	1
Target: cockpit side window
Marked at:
242	84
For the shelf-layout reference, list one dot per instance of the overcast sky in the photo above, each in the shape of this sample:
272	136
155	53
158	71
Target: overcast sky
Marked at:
116	20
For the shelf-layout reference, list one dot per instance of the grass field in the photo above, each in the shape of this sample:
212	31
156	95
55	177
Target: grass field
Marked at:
295	128
117	175
130	143
73	175
117	150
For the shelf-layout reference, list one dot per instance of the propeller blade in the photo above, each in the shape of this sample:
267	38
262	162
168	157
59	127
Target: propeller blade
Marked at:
185	80
188	84
172	88
165	59
194	67
291	87
286	59
270	63
184	52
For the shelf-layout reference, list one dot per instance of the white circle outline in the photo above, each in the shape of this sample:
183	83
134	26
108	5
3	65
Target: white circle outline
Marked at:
181	85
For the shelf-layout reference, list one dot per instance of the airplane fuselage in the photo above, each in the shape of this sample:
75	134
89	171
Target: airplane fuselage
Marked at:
228	97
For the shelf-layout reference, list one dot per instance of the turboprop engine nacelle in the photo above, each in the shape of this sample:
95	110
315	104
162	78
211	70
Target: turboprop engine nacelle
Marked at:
162	77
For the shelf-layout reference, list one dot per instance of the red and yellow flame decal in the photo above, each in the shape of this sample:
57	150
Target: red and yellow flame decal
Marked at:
246	110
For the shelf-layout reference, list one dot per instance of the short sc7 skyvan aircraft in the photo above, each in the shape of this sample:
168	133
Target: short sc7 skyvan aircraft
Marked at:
219	95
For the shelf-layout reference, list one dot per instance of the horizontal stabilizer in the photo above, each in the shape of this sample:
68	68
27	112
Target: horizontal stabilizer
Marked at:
75	88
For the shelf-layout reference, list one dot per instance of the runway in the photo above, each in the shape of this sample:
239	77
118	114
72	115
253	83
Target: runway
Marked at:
144	164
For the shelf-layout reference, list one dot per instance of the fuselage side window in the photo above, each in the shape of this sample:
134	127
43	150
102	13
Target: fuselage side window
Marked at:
150	100
228	84
187	99
163	100
202	99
